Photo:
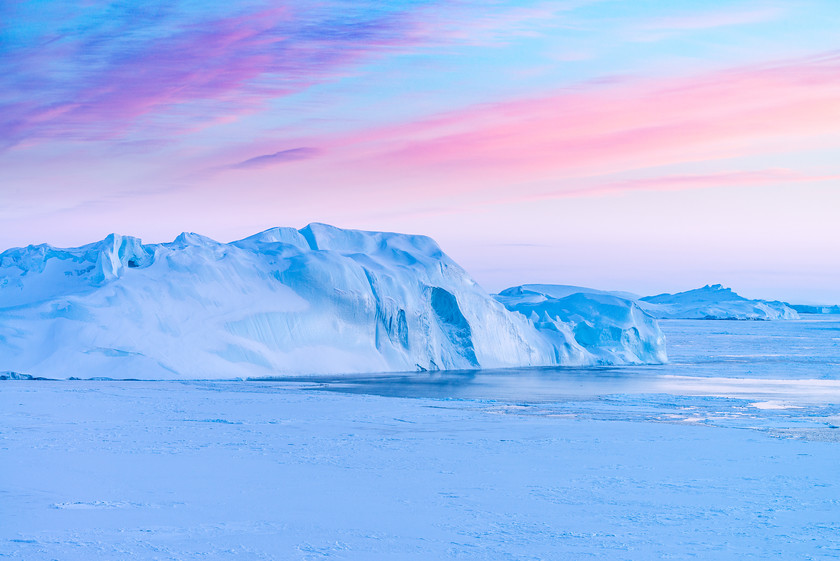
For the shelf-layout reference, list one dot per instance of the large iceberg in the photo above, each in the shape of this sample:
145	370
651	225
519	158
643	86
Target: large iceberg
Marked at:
714	302
285	301
608	325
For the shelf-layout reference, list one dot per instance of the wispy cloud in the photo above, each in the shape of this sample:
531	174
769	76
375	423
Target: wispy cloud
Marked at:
713	19
482	23
103	83
619	126
123	72
281	157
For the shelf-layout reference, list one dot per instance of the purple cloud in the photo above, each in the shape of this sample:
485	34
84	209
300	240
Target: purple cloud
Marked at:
281	157
112	83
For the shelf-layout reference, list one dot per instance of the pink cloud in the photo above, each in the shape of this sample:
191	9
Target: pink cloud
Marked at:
108	86
170	84
615	127
283	156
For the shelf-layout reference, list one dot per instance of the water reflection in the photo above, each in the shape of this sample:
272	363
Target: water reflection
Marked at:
551	385
523	384
716	358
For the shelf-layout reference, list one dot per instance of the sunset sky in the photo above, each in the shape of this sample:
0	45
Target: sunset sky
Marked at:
640	145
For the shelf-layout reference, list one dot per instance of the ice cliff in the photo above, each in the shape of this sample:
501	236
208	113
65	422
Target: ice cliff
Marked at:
714	302
285	301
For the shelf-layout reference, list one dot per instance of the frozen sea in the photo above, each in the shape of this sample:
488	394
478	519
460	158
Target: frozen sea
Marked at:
730	451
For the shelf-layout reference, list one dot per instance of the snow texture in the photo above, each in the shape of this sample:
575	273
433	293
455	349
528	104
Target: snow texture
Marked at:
284	301
714	302
613	329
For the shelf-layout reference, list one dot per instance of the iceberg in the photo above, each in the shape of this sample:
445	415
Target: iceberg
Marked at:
811	309
714	302
610	327
282	302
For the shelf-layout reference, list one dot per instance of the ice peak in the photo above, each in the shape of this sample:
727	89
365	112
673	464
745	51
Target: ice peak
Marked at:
186	239
285	235
117	253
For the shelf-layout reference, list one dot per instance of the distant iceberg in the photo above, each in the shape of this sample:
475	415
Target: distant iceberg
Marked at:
811	309
282	302
714	302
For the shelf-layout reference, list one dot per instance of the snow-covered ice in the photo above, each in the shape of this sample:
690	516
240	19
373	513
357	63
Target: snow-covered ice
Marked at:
285	301
729	451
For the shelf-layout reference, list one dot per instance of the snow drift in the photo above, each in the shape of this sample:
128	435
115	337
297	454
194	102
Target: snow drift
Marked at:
285	301
714	302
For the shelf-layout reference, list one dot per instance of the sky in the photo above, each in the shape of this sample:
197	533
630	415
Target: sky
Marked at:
640	145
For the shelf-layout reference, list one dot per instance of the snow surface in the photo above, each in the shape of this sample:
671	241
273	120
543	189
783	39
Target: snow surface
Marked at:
728	452
714	302
612	328
284	301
